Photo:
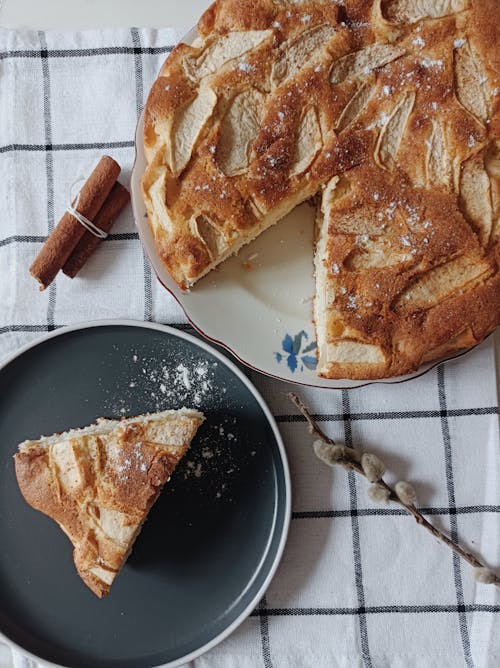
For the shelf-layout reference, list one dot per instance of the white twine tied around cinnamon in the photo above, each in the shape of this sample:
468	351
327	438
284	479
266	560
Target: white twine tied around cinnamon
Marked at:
87	224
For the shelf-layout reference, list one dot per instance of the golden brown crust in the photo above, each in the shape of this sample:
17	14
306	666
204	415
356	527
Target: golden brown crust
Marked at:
99	487
398	100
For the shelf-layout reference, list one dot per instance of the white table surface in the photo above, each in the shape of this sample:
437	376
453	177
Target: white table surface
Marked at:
82	14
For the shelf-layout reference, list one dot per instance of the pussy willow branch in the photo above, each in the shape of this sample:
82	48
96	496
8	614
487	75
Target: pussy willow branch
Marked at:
349	464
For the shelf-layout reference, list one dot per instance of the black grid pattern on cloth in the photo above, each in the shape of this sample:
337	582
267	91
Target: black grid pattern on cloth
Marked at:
388	512
139	96
450	485
89	146
374	610
356	543
49	164
85	53
120	236
264	632
137	52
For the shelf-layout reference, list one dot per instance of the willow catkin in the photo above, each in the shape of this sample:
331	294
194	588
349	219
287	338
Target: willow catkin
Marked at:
379	494
328	453
406	493
484	575
372	466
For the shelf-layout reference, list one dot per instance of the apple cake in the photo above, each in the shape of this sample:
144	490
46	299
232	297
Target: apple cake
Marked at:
387	113
99	483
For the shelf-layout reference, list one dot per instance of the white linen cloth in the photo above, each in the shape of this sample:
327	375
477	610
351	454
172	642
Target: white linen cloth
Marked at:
359	584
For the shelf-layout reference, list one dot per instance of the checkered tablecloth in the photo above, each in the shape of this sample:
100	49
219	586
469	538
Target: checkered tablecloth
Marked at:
359	585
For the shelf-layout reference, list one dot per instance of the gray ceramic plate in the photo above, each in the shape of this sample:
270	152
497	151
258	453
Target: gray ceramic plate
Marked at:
213	540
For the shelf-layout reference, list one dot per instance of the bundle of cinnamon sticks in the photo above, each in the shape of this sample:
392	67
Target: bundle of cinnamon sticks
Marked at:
101	199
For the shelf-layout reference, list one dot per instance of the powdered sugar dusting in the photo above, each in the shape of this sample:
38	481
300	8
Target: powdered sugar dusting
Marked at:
219	453
165	384
128	464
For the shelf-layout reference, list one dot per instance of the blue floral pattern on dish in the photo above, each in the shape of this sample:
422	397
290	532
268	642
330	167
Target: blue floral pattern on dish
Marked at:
295	355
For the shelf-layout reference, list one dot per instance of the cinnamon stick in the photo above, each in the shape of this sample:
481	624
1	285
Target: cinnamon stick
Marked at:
68	232
118	198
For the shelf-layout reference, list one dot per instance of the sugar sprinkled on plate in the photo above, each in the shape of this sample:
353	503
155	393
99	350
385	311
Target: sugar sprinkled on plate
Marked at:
188	381
216	457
